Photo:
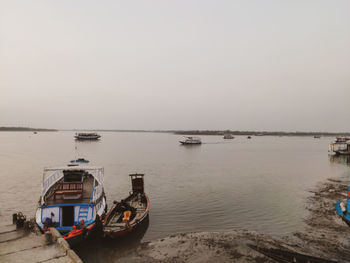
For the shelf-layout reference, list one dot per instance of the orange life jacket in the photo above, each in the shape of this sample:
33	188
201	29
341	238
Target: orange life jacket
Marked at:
127	215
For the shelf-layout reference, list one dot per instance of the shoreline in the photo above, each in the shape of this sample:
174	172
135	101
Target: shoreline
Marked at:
325	239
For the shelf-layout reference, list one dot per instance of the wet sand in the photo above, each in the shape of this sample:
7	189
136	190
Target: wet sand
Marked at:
326	239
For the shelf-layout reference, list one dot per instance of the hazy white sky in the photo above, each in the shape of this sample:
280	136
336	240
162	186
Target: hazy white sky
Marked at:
242	65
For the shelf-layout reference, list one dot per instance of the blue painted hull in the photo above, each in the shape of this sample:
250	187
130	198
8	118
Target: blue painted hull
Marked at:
345	216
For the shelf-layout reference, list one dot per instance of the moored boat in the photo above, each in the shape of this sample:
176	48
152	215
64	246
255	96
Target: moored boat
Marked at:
87	136
343	210
80	160
126	216
72	201
341	146
191	141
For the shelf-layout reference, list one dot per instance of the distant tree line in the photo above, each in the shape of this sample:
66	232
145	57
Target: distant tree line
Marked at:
259	133
24	129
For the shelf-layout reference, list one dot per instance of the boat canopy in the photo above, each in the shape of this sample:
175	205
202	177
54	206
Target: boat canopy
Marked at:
192	138
53	175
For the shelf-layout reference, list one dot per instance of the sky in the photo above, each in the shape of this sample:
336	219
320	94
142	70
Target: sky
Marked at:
169	65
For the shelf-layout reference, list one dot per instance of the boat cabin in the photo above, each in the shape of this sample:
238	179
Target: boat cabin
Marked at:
137	183
71	194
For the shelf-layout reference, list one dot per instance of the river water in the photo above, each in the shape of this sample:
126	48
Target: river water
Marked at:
259	184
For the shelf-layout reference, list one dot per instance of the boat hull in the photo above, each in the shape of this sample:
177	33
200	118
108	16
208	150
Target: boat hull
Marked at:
342	153
133	226
345	216
76	237
95	138
190	143
119	234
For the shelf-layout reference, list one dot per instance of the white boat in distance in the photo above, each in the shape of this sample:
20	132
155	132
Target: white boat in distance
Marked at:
87	136
191	141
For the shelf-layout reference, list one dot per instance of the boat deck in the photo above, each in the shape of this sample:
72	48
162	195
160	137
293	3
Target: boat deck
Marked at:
134	202
84	199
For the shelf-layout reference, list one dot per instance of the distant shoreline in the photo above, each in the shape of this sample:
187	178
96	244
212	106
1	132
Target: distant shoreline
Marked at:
25	129
262	133
191	132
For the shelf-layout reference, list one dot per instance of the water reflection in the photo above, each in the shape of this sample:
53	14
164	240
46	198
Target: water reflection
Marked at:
340	159
110	250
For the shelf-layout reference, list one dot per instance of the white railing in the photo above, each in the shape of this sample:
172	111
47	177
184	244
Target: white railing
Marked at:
98	174
97	193
338	147
49	182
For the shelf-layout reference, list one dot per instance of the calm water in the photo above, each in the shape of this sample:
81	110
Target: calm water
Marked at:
258	184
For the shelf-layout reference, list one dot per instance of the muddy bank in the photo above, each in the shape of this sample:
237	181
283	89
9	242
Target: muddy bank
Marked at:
325	239
326	234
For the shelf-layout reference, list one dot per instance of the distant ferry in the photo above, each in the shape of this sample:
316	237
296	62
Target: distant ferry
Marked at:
80	160
341	146
72	201
87	136
191	141
228	136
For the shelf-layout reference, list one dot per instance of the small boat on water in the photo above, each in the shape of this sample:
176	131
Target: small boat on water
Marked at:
249	137
128	214
72	201
343	210
191	141
80	160
228	136
87	136
341	146
317	137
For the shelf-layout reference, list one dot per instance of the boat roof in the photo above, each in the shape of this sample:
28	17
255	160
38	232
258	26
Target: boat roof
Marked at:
74	167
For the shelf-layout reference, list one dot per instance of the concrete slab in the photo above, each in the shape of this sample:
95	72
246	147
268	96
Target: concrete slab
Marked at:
31	241
11	235
19	245
37	254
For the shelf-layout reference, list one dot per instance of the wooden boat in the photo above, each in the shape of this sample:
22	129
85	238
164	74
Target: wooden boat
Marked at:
87	136
191	141
343	210
72	201
128	214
